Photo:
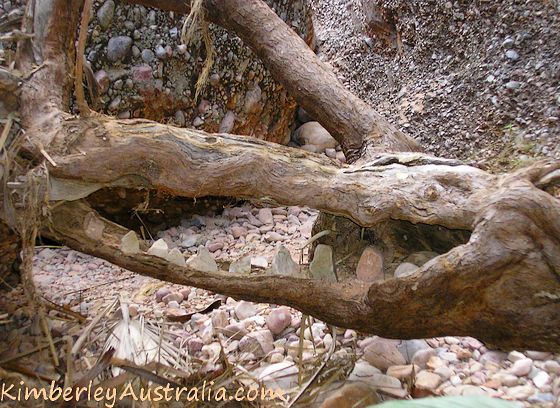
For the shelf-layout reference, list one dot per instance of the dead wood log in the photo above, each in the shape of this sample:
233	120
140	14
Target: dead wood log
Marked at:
502	286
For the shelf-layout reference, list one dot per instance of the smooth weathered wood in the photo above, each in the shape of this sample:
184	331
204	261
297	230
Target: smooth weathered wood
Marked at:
189	163
353	123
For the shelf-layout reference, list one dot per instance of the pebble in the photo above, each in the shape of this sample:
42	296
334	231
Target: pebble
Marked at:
105	14
159	248
283	264
244	310
426	380
403	371
322	266
202	261
259	343
405	269
383	354
521	367
370	265
241	266
176	257
130	244
421	357
520	392
118	48
278	320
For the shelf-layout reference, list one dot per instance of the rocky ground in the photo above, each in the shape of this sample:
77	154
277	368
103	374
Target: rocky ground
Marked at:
264	339
476	80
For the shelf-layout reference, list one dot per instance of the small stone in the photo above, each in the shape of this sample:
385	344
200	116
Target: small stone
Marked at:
259	343
515	356
214	246
142	73
194	345
103	81
159	249
147	55
283	264
105	14
513	85
219	319
383	354
370	265
341	157
521	392
435	362
322	266
214	80
161	293
118	48
444	372
228	122
421	257
198	121
552	367
180	118
541	379
238	232
405	269
521	367
273	236
130	244
426	380
352	395
403	371
133	310
512	55
493	356
236	331
176	257
265	216
508	380
362	370
421	357
241	266
312	133
202	261
385	384
508	43
539	355
278	320
161	52
330	153
173	297
259	262
409	347
244	310
252	99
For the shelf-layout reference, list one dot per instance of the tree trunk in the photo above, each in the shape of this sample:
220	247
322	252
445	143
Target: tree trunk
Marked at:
501	284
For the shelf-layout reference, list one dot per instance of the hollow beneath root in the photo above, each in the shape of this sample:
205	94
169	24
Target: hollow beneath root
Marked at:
394	238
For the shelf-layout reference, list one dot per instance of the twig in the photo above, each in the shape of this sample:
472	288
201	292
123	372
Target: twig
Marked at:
27	353
316	373
79	70
48	157
79	343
